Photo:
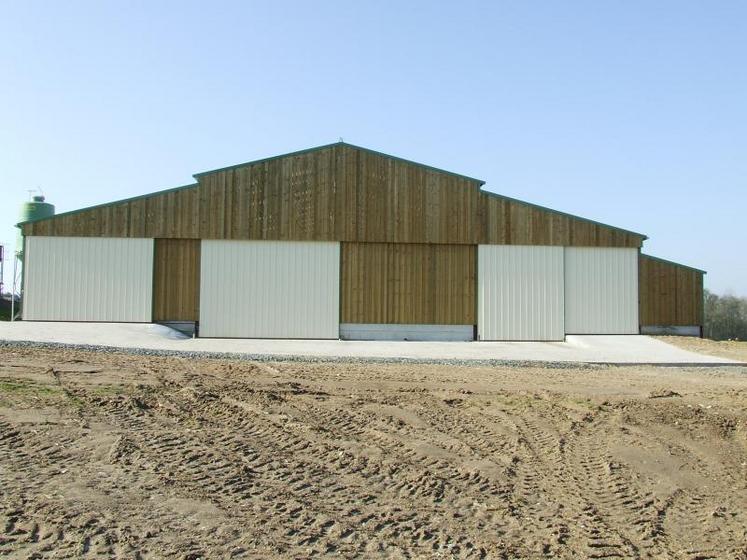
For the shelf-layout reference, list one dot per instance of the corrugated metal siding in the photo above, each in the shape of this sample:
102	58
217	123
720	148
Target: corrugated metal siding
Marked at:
520	292
601	290
270	289
88	279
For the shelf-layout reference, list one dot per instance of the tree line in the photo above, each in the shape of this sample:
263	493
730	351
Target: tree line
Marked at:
725	317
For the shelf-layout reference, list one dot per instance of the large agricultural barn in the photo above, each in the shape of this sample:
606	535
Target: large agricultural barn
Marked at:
344	242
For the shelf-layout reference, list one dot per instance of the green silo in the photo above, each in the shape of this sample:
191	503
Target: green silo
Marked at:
34	209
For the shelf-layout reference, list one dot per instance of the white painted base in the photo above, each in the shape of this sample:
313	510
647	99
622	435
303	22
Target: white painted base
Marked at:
693	330
185	327
361	331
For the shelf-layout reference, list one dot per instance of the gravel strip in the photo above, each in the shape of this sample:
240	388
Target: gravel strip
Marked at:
352	360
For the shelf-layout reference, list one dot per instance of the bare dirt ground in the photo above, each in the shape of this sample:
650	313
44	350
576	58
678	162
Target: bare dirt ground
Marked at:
116	455
733	349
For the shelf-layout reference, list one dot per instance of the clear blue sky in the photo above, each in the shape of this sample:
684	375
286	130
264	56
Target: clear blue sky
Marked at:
629	113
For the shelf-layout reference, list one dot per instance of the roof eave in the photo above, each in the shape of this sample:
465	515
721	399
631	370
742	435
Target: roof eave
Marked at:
113	203
674	263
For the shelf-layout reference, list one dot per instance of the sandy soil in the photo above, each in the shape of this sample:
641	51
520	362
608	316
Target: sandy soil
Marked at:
113	455
733	349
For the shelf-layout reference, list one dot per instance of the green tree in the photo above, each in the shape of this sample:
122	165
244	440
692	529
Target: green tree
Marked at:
725	317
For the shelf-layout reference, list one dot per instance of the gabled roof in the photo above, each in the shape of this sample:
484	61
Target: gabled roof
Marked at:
327	146
478	182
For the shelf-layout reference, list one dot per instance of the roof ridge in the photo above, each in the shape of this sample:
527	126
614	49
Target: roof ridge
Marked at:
326	146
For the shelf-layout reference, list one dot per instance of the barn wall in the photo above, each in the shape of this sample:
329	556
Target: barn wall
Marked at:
337	193
386	283
670	294
176	280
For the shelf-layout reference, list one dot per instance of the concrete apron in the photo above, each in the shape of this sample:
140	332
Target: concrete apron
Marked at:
609	349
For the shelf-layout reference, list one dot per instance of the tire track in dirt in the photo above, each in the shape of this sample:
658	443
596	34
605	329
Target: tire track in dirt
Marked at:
701	526
535	480
368	480
34	462
651	526
610	499
34	455
209	469
511	502
694	515
550	468
705	466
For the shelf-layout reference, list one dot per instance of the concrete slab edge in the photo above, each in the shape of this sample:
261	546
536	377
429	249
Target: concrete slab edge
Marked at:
671	364
202	354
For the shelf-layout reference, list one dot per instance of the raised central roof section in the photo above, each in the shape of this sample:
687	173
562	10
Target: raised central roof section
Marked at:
336	192
327	146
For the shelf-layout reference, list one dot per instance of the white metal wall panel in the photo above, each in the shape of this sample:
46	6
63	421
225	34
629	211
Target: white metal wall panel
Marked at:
601	290
88	279
269	289
519	292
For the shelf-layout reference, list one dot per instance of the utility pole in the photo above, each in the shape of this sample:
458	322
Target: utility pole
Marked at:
13	290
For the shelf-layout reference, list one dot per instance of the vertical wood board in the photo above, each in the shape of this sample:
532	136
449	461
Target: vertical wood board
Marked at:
176	280
670	294
393	283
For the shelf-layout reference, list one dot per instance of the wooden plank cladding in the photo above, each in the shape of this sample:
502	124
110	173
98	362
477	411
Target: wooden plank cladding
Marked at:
336	193
176	280
670	294
169	214
395	283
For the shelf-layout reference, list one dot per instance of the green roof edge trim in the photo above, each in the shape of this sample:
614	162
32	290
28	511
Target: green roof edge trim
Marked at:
674	263
560	213
326	146
112	203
